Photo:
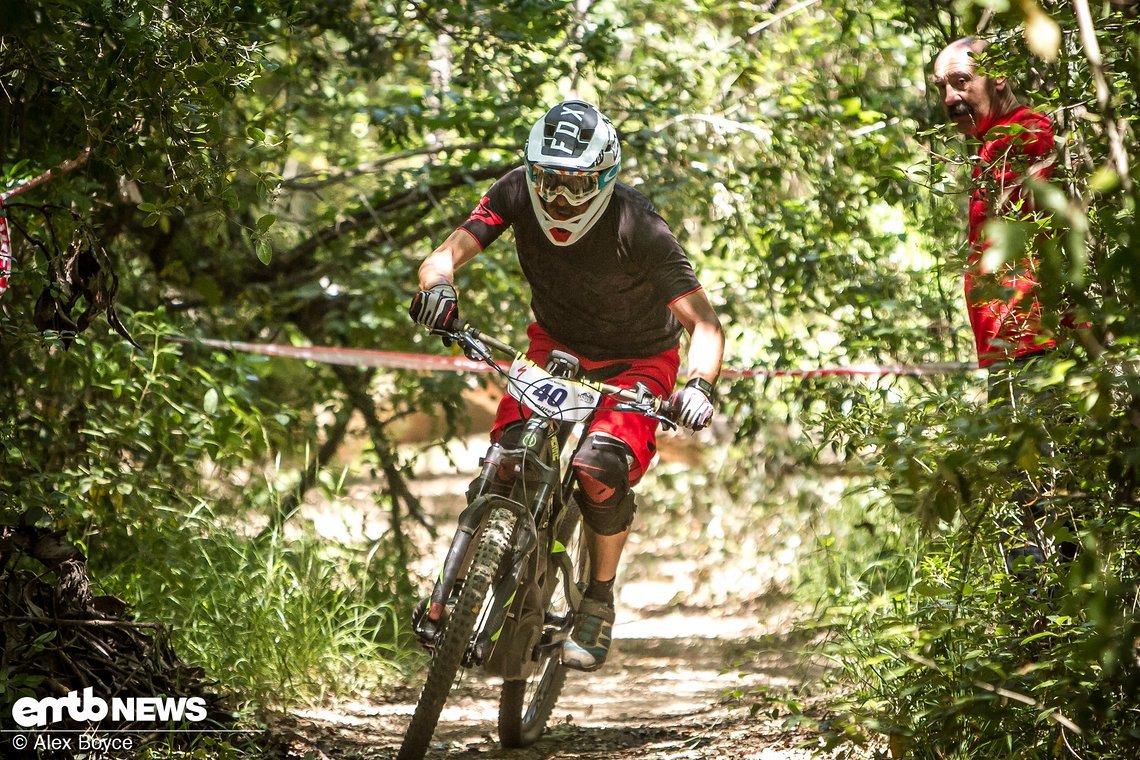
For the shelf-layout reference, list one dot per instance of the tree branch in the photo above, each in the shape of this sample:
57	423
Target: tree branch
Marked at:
298	182
50	174
356	385
1116	151
367	216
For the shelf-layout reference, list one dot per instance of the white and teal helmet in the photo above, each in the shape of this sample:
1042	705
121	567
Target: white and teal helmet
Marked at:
572	151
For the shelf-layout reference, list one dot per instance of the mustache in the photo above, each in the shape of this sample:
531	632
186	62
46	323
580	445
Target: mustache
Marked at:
959	109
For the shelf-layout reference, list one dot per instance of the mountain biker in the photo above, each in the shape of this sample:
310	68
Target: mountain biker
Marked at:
611	285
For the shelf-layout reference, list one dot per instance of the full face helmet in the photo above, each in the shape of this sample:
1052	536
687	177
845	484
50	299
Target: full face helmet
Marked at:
572	162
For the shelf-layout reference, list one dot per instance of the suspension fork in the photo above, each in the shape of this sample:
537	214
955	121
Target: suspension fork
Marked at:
534	448
469	521
540	470
507	587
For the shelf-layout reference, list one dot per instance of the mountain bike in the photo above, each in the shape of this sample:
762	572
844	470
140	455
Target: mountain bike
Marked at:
517	565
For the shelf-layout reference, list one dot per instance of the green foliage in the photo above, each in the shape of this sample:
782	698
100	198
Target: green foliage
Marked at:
275	619
953	654
956	653
98	433
275	172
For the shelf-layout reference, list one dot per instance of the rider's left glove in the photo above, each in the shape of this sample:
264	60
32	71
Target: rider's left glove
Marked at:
692	406
436	308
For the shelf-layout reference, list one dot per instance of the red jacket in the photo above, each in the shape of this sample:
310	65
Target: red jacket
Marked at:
1008	325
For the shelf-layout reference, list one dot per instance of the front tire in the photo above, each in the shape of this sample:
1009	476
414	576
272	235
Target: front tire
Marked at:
457	634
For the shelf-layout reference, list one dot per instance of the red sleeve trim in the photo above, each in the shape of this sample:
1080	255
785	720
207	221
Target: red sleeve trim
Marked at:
472	234
684	295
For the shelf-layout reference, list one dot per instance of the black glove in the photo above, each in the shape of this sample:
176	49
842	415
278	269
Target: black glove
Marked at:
692	406
436	308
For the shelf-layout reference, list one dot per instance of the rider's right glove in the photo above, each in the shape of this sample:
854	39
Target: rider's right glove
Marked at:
692	405
436	308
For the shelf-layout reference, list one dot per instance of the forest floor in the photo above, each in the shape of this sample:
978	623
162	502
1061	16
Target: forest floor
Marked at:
666	692
703	655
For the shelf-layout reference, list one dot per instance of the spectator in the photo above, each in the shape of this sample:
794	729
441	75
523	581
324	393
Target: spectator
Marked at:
1002	302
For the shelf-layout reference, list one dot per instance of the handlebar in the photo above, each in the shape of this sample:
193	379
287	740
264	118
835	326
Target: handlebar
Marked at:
477	346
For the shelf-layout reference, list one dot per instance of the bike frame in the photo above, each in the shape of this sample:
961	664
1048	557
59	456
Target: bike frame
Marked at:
508	550
538	495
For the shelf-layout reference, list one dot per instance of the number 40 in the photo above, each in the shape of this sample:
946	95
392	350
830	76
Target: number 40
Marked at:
551	394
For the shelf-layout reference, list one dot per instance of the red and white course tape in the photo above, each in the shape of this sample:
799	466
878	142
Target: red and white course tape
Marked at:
359	357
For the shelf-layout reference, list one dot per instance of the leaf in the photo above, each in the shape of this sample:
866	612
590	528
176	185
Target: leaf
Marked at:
265	222
1104	180
32	515
264	252
1042	33
1007	243
44	638
1036	636
210	401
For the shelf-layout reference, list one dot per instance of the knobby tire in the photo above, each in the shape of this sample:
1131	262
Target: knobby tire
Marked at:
457	634
521	724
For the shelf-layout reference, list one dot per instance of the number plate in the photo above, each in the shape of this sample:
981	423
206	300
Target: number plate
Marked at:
550	396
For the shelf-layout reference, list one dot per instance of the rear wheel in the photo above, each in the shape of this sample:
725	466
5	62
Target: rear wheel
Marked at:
526	704
457	634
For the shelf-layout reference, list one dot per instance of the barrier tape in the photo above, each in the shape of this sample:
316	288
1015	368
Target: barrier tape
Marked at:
859	370
353	357
359	357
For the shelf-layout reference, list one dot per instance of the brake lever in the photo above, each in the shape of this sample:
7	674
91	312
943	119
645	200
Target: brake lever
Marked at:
448	337
473	348
651	402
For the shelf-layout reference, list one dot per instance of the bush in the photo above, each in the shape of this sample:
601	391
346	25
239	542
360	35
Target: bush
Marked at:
274	619
958	655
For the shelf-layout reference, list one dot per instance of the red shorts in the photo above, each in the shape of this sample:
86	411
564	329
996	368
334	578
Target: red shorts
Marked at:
659	373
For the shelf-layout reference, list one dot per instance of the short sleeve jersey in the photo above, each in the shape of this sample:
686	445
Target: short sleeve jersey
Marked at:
606	296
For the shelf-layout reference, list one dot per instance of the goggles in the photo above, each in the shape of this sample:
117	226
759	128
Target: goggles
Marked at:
576	187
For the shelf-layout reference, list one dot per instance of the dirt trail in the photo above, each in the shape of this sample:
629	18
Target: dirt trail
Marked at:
665	692
661	695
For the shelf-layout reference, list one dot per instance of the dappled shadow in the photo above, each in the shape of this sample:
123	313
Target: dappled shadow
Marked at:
656	697
700	639
585	741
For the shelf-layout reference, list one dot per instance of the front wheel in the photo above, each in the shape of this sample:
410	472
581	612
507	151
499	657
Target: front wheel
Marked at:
526	704
457	634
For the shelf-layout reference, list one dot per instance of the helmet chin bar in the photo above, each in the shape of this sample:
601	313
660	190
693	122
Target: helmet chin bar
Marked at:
579	225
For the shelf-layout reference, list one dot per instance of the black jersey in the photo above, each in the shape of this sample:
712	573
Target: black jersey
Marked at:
607	295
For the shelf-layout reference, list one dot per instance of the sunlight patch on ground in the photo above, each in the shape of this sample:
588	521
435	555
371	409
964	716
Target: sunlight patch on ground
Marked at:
632	624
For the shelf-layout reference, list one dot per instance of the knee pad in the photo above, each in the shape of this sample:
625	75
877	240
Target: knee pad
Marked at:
601	468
